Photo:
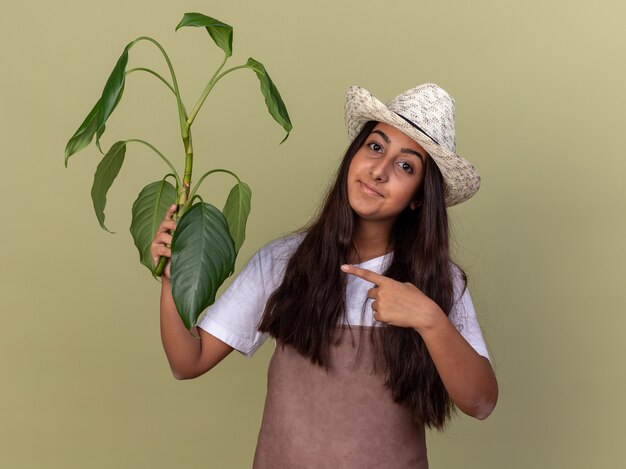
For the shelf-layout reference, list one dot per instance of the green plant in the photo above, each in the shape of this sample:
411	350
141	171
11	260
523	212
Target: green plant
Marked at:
206	240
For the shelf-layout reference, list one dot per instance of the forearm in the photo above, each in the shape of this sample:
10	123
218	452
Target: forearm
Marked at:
182	349
467	376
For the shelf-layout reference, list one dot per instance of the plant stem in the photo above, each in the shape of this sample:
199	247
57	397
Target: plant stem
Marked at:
195	189
142	69
208	89
175	174
158	270
197	196
183	197
226	72
205	93
182	113
169	65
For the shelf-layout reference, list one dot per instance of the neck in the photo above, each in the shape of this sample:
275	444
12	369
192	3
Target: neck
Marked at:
371	240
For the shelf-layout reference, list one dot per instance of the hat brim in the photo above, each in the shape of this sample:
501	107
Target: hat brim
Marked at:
460	177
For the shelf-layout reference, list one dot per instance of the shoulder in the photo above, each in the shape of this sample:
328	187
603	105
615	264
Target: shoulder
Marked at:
459	281
265	269
281	247
274	256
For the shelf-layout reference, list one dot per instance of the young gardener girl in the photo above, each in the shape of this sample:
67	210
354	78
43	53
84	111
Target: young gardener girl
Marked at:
376	333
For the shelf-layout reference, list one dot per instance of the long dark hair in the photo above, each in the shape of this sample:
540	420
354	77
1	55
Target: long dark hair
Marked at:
308	306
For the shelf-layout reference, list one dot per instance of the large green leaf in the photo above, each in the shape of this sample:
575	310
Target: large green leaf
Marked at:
236	211
84	134
274	102
94	123
221	33
112	93
106	172
203	256
148	212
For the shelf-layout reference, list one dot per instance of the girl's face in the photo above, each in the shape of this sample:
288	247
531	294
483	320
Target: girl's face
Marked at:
384	174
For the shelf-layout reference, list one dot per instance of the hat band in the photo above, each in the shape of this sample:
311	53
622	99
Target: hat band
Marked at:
418	128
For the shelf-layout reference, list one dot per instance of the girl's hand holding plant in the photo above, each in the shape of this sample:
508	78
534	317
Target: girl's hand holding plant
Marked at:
162	241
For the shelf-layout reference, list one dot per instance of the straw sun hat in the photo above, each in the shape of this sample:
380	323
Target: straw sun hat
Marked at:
426	114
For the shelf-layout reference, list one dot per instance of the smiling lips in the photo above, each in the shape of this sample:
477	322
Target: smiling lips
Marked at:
369	189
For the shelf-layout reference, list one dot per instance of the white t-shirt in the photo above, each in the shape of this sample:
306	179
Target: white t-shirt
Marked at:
235	315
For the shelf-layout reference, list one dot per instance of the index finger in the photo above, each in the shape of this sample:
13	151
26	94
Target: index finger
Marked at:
365	274
170	211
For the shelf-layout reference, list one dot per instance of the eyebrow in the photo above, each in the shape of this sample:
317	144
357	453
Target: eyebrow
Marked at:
402	150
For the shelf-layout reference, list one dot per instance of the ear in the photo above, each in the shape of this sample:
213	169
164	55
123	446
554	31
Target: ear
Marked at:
414	204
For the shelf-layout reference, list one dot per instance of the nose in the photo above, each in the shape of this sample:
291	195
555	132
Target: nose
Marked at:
379	170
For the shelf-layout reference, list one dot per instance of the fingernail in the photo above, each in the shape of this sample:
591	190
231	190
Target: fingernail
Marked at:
345	267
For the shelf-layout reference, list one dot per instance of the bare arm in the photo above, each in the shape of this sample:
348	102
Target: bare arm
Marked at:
467	376
188	355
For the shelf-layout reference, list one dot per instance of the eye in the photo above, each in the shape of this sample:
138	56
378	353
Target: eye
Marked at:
406	167
375	146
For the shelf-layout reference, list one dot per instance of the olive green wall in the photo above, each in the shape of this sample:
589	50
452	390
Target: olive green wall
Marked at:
540	108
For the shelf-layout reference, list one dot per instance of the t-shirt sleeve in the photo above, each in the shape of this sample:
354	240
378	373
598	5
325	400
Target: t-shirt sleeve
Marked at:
235	315
463	317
